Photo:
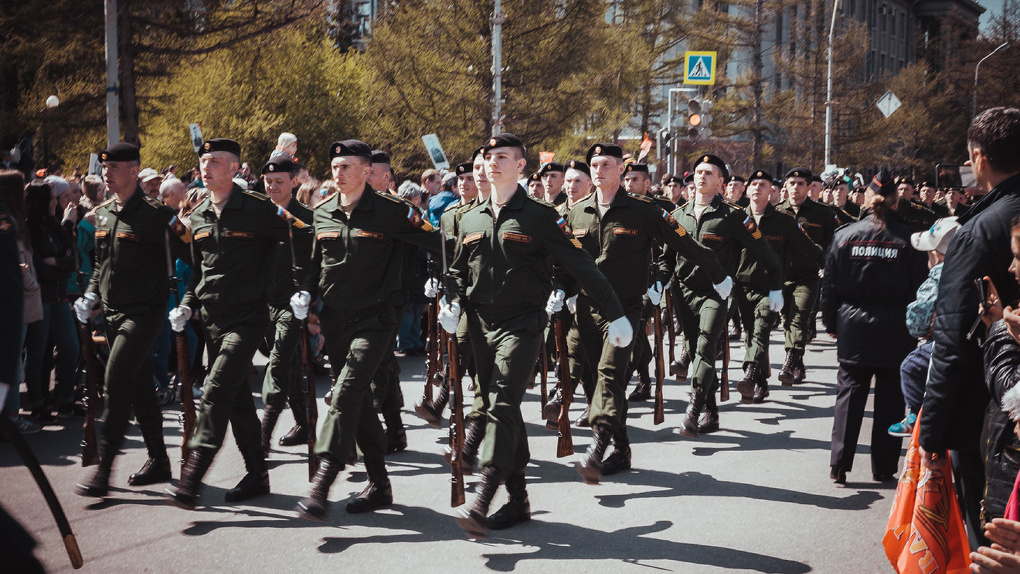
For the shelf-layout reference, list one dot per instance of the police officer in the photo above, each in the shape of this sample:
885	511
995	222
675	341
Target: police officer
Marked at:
134	236
913	213
356	270
800	290
552	174
234	233
502	276
282	381
620	230
758	295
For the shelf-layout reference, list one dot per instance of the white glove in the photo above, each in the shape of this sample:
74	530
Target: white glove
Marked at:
724	287
179	317
572	304
655	293
620	332
84	305
299	304
431	288
555	303
776	301
449	316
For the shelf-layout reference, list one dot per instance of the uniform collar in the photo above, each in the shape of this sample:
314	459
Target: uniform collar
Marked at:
134	201
769	210
516	202
365	203
233	202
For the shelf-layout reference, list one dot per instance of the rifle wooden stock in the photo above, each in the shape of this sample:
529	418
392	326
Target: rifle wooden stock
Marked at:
456	423
564	442
544	375
724	389
187	396
308	390
89	442
431	349
660	370
669	326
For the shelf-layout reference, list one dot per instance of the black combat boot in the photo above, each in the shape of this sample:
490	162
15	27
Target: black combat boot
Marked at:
377	494
297	435
590	464
643	390
517	508
746	385
786	374
473	436
695	403
619	459
551	411
314	506
256	482
761	388
157	467
799	372
709	422
432	411
186	494
269	418
582	421
473	520
98	484
396	438
680	366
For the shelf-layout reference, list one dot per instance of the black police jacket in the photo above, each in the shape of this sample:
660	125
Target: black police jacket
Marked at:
1002	448
871	274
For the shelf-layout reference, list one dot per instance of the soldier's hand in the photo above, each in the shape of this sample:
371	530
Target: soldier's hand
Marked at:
724	287
572	304
555	303
432	288
655	293
620	332
449	316
179	316
84	305
299	304
776	301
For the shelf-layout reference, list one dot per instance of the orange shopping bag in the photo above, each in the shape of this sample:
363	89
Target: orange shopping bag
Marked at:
925	532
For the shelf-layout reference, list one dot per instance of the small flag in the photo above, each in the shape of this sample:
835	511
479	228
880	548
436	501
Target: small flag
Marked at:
646	146
545	157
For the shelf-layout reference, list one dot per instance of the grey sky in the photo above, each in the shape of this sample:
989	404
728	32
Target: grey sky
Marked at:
992	7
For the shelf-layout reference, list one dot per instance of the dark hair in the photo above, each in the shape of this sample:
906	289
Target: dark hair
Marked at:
996	132
38	216
12	189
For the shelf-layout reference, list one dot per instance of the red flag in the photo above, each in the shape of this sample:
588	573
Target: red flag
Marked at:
646	146
546	156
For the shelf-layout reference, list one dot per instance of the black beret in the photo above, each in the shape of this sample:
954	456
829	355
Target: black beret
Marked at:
580	166
464	168
904	179
120	151
760	174
713	160
551	166
636	167
606	149
503	140
734	178
688	177
817	178
379	156
222	144
926	184
801	172
354	148
777	182
476	153
535	177
280	164
670	179
882	184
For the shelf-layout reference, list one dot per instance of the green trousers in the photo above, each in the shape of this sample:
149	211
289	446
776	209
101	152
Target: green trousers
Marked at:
609	401
799	300
505	353
703	317
577	361
129	378
283	380
756	320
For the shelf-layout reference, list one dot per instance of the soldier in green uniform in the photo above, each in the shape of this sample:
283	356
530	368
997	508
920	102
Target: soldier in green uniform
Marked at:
133	233
672	189
357	272
926	195
535	186
732	235
800	290
282	381
735	188
620	230
235	233
846	211
913	213
759	294
503	277
552	174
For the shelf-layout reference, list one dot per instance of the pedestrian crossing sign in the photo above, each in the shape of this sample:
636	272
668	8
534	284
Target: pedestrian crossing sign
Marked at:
699	68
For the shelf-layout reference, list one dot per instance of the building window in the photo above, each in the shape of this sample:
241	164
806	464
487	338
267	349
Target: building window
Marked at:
852	8
882	15
881	68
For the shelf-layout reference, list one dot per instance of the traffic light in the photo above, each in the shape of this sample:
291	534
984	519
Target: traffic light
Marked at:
662	146
698	119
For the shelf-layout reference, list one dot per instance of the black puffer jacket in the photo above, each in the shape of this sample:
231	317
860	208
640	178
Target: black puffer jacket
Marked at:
1001	446
954	398
871	274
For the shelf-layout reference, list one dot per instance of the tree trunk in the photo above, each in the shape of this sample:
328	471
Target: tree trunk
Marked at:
757	70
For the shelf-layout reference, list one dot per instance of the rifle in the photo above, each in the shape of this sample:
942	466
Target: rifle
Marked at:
183	365
432	346
89	443
660	369
544	375
307	376
669	325
724	389
457	403
564	443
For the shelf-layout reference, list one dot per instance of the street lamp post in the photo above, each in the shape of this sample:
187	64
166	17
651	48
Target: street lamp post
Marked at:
828	95
671	154
1002	46
51	103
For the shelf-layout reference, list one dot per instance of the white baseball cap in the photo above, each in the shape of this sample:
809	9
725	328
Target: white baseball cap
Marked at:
937	238
147	174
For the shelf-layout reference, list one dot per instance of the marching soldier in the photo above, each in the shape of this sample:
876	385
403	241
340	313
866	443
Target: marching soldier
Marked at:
133	234
552	175
913	213
758	295
735	187
282	381
234	233
502	276
800	290
356	270
535	186
731	234
619	230
846	211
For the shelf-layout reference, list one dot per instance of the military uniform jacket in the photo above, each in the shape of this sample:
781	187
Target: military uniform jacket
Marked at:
787	240
729	232
130	266
820	223
843	216
12	292
941	209
502	264
358	262
232	252
622	241
915	215
283	286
